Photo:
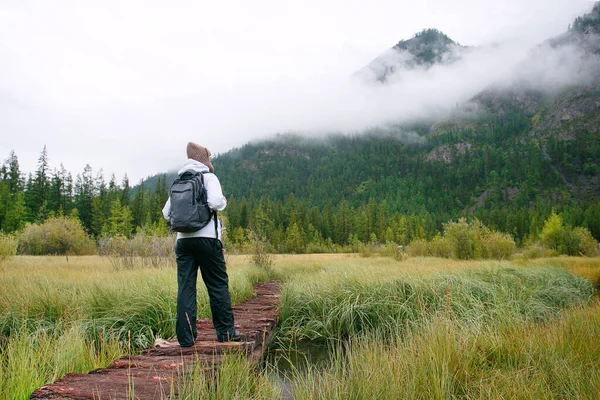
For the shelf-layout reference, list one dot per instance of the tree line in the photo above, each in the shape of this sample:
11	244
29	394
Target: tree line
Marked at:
289	196
103	208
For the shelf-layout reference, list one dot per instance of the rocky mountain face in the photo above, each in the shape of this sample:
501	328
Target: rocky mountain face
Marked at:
556	99
424	50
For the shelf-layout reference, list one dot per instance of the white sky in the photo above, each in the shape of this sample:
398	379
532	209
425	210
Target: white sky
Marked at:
124	85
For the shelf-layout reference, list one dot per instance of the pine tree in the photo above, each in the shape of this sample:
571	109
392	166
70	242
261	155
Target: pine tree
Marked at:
294	239
158	199
139	206
4	200
67	202
119	222
84	194
11	194
114	193
15	213
342	224
38	188
126	191
100	205
55	192
14	178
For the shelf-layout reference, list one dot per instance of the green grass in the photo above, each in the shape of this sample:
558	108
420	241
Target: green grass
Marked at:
445	360
136	305
235	378
338	307
439	359
32	358
59	316
419	328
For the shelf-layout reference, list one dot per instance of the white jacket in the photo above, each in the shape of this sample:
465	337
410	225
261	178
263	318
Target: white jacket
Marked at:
216	200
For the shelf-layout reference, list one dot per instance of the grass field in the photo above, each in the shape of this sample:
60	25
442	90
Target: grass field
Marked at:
419	328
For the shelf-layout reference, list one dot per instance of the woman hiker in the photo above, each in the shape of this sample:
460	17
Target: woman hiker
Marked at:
201	249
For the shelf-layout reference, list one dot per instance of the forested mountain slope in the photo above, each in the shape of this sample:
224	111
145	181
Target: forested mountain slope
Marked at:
509	156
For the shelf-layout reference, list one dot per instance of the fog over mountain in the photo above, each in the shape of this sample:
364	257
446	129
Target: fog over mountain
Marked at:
427	48
127	100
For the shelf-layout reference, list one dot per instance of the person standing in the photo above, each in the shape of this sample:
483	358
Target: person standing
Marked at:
202	249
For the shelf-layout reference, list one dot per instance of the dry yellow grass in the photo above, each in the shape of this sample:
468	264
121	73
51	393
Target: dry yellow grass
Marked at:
314	269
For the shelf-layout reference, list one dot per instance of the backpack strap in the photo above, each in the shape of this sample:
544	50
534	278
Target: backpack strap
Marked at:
213	211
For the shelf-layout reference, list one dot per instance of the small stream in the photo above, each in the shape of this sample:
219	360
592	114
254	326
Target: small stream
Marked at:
287	363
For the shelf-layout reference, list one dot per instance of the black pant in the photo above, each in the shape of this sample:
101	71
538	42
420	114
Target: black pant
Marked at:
206	253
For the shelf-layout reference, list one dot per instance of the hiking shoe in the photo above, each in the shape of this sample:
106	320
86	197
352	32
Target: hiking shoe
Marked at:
228	337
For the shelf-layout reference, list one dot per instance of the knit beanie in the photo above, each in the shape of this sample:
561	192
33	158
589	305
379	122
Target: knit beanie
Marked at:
199	153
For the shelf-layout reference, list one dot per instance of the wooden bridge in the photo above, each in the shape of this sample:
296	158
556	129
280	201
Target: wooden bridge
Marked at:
154	374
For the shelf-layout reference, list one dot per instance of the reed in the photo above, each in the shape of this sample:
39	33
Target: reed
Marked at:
404	328
31	359
443	359
334	308
234	378
8	246
75	314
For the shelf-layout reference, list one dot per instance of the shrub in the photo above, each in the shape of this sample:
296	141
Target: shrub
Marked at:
261	256
368	250
565	240
570	243
417	248
58	235
552	232
440	247
499	245
393	250
315	248
8	246
465	238
556	236
142	250
464	241
536	250
587	243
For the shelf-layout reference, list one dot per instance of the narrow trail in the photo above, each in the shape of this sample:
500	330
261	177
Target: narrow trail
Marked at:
154	373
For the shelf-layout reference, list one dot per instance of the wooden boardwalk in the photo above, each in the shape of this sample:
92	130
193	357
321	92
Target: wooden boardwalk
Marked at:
154	373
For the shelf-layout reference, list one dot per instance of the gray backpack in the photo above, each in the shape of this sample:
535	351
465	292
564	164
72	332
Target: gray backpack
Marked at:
189	208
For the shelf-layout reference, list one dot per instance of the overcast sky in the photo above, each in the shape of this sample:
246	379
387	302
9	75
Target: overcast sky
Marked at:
124	85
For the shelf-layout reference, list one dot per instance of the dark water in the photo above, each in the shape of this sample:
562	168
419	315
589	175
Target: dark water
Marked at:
297	358
289	362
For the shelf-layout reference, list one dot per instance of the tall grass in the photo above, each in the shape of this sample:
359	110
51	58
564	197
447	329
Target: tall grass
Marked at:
585	267
8	246
444	360
424	327
136	305
335	309
32	358
234	378
439	359
59	316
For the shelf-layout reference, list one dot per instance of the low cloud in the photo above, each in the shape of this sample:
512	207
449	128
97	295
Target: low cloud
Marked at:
550	67
152	137
109	101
